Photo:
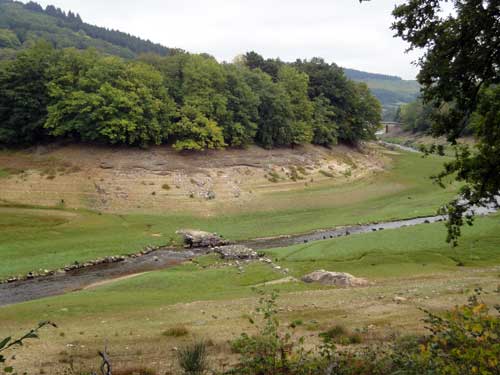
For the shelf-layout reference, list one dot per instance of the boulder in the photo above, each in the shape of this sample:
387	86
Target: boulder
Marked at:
197	238
334	279
236	252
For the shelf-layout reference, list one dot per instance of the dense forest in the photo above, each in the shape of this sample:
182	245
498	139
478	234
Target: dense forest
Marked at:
22	24
190	101
63	78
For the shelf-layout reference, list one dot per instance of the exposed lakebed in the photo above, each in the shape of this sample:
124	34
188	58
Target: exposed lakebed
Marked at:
78	279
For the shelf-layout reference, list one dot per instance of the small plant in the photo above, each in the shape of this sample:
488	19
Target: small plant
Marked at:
165	187
339	335
296	323
348	173
9	344
294	174
178	331
334	332
274	177
193	359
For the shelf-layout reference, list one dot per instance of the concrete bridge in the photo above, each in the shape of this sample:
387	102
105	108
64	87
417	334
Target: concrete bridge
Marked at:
390	125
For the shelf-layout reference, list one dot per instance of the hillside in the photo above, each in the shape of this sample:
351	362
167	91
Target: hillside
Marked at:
392	91
22	24
161	180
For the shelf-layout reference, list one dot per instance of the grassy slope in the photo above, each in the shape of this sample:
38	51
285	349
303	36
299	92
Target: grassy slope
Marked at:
401	253
33	239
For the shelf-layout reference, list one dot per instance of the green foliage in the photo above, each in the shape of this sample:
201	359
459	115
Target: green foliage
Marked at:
459	74
190	101
465	340
8	39
325	130
270	351
339	335
240	125
354	114
295	84
416	116
193	359
96	98
24	96
8	344
196	132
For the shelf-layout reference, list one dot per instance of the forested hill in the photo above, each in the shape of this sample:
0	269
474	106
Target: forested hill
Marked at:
22	24
392	91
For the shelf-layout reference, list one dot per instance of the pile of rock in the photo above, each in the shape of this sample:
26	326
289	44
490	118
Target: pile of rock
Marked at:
340	279
236	252
198	238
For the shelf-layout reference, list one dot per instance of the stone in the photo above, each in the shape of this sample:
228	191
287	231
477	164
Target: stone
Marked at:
197	238
106	165
236	252
334	279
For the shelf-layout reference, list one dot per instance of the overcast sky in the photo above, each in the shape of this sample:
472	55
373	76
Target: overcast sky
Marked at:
346	32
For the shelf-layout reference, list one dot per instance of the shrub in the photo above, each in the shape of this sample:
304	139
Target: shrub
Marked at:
466	340
338	334
165	187
178	331
193	359
274	177
271	351
8	344
348	173
294	174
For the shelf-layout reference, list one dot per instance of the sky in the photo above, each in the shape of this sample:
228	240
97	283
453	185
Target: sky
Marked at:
351	34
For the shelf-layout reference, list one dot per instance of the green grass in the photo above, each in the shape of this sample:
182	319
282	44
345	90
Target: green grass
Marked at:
47	239
393	253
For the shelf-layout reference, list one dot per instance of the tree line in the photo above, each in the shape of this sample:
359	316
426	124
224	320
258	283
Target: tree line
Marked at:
187	100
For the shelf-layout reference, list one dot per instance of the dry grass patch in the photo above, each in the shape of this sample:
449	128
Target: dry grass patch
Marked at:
178	331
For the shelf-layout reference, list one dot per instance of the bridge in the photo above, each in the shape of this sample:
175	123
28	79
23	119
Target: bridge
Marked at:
390	125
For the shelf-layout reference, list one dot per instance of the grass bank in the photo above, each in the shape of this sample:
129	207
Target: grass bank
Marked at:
35	239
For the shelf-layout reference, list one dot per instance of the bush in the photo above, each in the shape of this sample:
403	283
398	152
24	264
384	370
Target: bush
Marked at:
193	359
338	334
465	340
165	187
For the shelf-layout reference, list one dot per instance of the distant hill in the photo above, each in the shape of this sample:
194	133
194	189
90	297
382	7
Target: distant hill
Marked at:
392	91
21	24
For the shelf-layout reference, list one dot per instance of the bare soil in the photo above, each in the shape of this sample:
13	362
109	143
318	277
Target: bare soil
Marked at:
116	179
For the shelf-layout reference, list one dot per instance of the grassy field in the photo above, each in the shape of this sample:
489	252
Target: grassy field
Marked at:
35	239
397	253
412	262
